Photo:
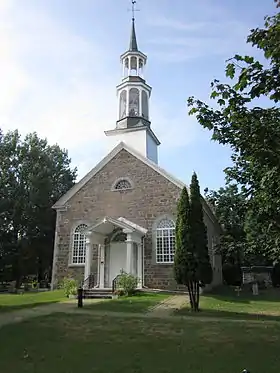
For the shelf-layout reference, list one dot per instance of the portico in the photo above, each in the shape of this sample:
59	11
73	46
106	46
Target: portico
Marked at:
119	248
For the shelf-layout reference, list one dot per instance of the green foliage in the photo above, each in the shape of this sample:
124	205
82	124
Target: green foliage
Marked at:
191	263
183	252
230	208
69	286
232	274
33	176
198	234
252	132
128	283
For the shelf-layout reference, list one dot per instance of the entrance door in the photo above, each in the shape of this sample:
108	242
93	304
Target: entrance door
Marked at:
117	260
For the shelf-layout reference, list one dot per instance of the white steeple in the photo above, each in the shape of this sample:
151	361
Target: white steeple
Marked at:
133	126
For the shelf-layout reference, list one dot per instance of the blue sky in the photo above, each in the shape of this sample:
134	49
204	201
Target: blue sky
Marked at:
59	65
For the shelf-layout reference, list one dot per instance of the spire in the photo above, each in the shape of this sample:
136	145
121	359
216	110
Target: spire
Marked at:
133	41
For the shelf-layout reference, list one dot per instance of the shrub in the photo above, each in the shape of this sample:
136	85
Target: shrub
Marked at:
70	286
232	274
128	283
119	292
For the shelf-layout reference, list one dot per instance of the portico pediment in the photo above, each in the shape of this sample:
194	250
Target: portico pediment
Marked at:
108	224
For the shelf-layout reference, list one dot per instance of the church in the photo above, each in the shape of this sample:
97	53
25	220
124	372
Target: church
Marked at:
121	215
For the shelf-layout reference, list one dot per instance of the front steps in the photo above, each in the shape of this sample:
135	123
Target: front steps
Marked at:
97	293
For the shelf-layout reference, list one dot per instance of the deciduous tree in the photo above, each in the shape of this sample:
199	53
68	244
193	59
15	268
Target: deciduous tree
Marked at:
33	175
252	131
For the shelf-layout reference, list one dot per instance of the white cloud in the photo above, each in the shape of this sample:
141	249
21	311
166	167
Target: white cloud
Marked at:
183	41
57	83
51	80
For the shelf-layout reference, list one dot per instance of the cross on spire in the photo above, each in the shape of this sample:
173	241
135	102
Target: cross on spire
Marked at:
133	9
133	42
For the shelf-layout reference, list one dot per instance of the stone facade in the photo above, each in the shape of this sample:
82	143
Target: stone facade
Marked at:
151	198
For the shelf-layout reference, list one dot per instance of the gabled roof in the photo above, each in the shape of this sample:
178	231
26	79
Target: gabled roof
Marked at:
106	225
121	146
60	204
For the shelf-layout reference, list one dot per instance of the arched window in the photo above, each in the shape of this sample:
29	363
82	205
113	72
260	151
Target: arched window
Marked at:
165	241
145	107
79	245
123	103
133	102
122	184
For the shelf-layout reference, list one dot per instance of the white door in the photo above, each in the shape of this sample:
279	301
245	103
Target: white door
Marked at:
117	260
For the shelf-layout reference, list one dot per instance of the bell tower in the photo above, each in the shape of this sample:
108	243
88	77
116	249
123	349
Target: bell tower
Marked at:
133	125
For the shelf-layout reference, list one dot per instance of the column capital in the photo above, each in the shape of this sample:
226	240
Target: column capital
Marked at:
133	237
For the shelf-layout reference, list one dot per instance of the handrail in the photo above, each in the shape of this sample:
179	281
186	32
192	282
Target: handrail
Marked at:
88	282
115	283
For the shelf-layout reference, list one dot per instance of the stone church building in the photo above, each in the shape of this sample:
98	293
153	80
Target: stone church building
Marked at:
121	215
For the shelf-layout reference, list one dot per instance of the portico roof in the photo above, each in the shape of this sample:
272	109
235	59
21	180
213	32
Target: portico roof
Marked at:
108	224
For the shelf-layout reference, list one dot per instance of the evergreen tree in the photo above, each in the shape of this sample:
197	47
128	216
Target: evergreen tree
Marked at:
198	236
181	264
192	266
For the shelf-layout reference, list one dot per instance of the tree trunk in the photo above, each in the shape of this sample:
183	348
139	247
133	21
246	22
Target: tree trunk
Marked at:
191	295
197	296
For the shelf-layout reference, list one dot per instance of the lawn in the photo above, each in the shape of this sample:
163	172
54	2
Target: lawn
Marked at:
10	302
65	343
139	303
246	306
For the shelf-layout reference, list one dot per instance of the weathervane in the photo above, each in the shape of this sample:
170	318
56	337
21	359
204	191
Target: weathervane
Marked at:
133	10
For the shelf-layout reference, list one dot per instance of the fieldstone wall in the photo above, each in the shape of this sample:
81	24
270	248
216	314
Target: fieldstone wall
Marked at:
151	198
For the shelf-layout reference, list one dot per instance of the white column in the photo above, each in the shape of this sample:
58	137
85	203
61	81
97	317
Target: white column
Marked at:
88	259
139	264
129	252
138	66
102	266
129	66
127	102
123	68
140	103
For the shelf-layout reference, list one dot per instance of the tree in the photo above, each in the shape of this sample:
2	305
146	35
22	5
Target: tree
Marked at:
191	264
252	132
183	252
198	235
230	207
33	176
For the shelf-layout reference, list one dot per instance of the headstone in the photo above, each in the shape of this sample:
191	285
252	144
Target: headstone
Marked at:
255	289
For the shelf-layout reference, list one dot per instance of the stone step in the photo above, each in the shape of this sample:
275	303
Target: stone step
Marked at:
96	293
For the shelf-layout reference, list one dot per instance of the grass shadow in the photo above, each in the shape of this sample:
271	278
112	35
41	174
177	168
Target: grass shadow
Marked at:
226	294
15	307
139	303
219	314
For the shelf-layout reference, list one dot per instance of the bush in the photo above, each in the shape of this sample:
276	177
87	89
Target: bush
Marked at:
119	292
275	275
128	283
232	274
70	286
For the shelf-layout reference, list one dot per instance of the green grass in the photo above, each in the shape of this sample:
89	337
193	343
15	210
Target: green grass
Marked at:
9	302
246	306
138	303
73	343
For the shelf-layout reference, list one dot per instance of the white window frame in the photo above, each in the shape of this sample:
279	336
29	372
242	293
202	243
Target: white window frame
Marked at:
126	179
78	245
165	233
